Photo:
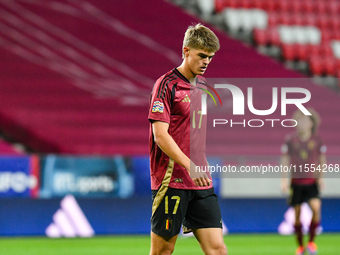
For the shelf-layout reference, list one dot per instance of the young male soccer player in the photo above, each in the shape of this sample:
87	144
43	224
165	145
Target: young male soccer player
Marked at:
181	195
305	152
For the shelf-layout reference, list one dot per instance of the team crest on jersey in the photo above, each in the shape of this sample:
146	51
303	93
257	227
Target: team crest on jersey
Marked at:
310	144
304	154
158	107
179	180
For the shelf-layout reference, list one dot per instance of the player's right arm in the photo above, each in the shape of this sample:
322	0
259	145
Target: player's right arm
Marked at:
285	161
167	144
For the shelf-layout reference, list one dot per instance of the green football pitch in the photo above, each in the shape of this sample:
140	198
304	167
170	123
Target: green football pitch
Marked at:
329	244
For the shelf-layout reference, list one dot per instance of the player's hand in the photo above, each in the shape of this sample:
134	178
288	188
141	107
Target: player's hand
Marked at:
284	186
200	178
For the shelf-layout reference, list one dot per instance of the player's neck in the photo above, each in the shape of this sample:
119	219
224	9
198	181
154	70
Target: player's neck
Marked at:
305	135
186	72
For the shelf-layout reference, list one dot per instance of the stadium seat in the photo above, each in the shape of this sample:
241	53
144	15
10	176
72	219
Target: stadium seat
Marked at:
259	18
323	21
321	6
302	51
335	35
284	6
247	4
314	50
272	5
246	19
333	7
308	6
335	22
297	6
310	19
326	35
261	36
300	34
316	65
289	51
285	18
273	19
206	7
286	35
335	46
325	50
313	34
274	36
330	65
259	4
220	5
297	19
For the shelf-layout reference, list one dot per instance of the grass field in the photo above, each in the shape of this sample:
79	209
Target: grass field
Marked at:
329	244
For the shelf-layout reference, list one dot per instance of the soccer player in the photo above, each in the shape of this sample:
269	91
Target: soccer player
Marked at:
181	195
304	151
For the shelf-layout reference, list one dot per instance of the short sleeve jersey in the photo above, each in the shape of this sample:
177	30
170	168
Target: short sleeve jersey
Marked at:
170	102
301	153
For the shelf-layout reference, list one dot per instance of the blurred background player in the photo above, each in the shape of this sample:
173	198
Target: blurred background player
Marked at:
303	150
178	197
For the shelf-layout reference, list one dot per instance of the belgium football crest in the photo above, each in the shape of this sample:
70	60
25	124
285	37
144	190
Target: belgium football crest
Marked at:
304	154
310	145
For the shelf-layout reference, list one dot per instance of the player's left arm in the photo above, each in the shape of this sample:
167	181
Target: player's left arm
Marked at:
322	163
285	161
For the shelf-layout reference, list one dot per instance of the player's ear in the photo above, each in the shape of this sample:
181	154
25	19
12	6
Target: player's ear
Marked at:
186	51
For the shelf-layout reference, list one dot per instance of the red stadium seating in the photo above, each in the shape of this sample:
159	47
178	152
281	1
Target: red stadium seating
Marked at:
330	65
273	19
266	36
317	65
261	36
321	7
303	52
289	51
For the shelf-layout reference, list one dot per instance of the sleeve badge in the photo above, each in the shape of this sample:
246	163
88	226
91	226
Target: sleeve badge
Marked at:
158	107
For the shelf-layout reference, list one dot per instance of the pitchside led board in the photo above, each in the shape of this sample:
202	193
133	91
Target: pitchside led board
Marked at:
19	176
86	177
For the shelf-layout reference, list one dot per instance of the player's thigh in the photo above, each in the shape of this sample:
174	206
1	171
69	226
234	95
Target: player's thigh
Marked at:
162	245
169	209
315	204
211	241
203	211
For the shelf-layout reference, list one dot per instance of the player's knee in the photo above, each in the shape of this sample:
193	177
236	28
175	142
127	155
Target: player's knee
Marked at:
220	249
223	250
164	250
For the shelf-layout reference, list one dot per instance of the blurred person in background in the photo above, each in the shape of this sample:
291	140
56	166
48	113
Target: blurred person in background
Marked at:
304	153
180	195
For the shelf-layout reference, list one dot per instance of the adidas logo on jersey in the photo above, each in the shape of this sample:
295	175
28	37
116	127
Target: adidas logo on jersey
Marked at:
186	99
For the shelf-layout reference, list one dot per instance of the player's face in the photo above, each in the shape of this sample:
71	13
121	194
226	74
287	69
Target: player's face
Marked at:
198	60
304	124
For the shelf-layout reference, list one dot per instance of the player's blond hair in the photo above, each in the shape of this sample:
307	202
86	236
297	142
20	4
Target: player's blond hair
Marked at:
200	37
315	118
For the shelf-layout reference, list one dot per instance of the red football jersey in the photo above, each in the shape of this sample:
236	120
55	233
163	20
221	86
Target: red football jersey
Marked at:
176	101
301	153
